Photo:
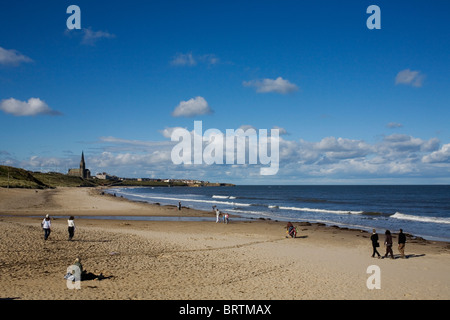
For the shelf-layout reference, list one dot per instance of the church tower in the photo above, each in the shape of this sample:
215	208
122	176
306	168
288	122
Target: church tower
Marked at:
82	172
82	166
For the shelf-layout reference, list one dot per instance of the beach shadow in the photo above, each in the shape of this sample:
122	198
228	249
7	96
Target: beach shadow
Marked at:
92	276
83	240
414	255
301	237
407	256
76	240
10	298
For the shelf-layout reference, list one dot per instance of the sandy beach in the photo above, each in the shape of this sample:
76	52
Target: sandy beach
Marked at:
197	260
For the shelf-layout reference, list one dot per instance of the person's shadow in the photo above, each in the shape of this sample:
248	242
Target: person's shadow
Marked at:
87	276
412	255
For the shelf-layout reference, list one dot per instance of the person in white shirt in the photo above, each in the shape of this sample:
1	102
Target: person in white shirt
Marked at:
71	227
217	215
46	225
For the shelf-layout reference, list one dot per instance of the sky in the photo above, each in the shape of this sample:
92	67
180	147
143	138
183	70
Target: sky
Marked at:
353	104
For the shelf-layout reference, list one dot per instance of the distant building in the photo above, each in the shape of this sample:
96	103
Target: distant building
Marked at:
103	176
82	172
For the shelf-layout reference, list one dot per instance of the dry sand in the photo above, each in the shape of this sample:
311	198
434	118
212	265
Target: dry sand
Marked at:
201	260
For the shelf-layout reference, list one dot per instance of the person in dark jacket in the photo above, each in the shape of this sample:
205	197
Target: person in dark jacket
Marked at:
375	244
401	243
388	244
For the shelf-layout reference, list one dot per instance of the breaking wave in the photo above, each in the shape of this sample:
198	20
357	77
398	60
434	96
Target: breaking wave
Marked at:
409	217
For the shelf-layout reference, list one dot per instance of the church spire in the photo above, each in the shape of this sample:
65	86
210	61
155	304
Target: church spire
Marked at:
82	163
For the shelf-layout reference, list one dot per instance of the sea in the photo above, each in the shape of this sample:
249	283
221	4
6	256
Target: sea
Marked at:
420	210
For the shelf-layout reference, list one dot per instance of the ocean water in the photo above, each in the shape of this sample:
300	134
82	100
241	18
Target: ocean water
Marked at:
421	210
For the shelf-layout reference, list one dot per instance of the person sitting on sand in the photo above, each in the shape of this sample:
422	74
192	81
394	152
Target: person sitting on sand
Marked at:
74	274
290	229
78	264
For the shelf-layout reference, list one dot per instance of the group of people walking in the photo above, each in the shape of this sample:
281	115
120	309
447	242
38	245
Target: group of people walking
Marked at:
218	213
47	227
388	242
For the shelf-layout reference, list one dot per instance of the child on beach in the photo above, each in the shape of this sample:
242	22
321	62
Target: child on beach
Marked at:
290	230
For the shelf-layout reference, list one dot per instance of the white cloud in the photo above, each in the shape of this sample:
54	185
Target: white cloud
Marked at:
393	125
12	57
278	85
281	131
440	156
167	132
402	143
340	159
182	59
188	59
90	37
129	160
410	77
340	148
193	107
32	107
245	127
209	59
329	160
142	145
45	163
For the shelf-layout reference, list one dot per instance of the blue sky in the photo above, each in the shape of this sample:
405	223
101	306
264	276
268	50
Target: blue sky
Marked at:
355	105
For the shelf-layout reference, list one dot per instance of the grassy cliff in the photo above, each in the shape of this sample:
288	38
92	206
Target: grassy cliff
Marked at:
20	178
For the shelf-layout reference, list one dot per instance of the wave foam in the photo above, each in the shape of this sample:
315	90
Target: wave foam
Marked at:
402	216
322	210
222	197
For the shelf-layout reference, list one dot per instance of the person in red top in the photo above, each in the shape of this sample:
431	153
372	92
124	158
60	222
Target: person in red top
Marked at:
291	229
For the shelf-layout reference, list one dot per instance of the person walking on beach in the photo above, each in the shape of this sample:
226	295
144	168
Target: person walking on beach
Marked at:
46	225
179	205
375	244
217	215
388	244
71	227
401	243
225	218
